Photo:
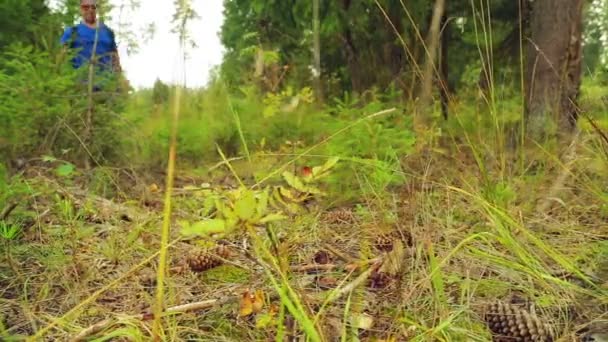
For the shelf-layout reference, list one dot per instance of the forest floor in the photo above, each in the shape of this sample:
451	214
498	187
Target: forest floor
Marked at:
426	260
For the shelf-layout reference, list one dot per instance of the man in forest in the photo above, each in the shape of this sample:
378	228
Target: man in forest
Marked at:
100	81
95	43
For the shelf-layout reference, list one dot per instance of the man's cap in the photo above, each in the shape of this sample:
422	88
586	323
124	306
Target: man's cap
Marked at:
88	2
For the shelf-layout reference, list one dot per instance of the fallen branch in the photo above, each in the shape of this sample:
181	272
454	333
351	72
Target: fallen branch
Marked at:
314	267
339	254
92	330
334	295
206	304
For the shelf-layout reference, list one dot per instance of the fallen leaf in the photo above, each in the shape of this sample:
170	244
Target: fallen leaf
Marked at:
363	321
246	304
327	282
251	303
258	301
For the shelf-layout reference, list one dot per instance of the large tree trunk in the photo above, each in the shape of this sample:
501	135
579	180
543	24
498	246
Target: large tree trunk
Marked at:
553	65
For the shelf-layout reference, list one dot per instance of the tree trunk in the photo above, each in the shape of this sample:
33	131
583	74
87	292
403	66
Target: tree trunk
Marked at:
317	53
553	66
430	67
444	87
351	53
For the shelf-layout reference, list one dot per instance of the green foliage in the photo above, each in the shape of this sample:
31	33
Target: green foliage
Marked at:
160	92
33	100
43	104
595	55
12	189
19	20
242	209
9	231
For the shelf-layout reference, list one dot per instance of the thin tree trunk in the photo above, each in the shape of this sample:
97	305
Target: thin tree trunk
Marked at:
430	67
317	53
351	53
444	88
553	66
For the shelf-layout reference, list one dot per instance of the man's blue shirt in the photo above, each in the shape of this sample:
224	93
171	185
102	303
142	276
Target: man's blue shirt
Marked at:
84	40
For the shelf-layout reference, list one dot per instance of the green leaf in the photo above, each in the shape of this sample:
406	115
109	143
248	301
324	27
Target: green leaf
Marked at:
294	181
203	228
273	217
262	205
208	205
65	170
265	320
321	171
48	159
297	183
245	206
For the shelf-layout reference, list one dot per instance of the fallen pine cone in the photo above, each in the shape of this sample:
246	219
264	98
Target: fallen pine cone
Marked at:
386	242
380	280
339	215
201	261
512	323
322	257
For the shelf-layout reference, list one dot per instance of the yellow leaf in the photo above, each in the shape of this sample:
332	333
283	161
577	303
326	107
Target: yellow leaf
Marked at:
153	187
246	304
258	302
251	303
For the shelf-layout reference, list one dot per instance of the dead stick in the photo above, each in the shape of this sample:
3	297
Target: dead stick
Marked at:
314	267
334	295
206	304
339	254
93	329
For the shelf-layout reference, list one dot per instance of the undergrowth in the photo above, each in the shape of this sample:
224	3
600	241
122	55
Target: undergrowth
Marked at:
462	234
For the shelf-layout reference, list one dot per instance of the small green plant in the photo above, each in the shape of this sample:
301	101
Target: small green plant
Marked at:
246	210
10	232
249	208
63	169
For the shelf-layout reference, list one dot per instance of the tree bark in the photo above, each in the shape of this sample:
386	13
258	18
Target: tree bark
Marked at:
430	68
553	66
444	87
351	53
317	53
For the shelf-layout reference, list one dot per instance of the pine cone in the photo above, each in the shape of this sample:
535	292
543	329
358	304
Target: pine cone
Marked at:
201	261
380	280
339	215
512	323
386	242
322	258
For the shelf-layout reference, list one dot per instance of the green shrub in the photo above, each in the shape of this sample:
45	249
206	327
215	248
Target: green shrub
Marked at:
42	109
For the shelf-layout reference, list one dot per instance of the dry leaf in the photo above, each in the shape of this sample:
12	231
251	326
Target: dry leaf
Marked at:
363	321
251	303
153	187
246	304
258	301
